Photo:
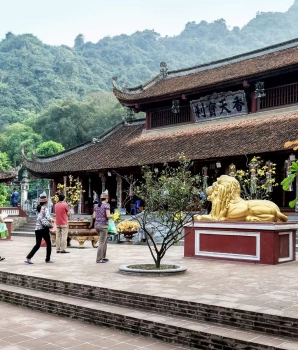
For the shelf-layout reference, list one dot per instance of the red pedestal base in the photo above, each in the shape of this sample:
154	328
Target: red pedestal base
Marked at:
263	243
8	223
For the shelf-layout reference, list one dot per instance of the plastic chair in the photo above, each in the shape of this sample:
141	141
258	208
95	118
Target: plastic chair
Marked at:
136	206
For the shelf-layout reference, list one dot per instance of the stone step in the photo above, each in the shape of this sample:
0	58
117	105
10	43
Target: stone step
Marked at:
242	319
23	233
171	329
25	228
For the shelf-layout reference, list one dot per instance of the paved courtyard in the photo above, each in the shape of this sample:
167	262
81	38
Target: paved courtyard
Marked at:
261	288
26	329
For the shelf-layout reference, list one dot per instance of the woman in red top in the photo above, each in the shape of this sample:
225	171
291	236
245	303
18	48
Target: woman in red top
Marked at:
101	215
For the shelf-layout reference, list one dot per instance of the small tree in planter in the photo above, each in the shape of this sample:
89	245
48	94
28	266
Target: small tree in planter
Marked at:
72	192
171	198
258	180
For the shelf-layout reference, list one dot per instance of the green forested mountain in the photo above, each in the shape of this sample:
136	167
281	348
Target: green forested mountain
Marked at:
50	88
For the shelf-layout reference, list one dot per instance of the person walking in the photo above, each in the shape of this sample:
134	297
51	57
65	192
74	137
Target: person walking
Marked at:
101	215
95	197
41	232
62	212
14	198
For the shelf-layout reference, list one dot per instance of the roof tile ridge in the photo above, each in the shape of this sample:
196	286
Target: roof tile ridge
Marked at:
217	64
279	47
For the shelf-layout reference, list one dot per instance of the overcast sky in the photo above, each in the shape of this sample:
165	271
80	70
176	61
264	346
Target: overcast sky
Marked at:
58	22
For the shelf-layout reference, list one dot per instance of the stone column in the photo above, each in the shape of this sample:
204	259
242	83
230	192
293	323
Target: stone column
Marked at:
89	188
49	204
119	192
103	183
80	200
65	183
24	190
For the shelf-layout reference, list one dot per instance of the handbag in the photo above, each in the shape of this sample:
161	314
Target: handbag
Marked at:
112	227
45	223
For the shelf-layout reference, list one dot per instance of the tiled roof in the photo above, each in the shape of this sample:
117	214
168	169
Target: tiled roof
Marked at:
7	176
250	65
129	146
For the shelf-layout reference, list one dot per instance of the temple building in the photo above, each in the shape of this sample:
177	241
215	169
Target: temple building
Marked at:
217	114
7	176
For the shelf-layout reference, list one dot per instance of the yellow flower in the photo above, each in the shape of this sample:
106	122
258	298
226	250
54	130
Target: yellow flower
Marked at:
128	226
179	217
116	216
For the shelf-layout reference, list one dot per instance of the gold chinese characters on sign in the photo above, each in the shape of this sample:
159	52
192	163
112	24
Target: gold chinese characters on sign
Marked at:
227	205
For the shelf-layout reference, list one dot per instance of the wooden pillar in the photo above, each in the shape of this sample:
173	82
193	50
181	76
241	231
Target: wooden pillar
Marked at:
147	120
89	188
80	200
254	103
119	192
103	183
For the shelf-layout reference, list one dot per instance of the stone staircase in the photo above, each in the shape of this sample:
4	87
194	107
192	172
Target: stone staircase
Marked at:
180	322
26	229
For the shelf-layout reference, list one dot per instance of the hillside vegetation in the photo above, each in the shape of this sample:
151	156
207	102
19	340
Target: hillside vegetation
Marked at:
63	93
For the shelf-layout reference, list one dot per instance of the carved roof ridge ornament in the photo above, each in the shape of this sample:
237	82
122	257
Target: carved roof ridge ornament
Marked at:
130	116
114	82
24	154
163	70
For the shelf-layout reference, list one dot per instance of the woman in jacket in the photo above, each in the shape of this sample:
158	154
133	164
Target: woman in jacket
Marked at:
41	232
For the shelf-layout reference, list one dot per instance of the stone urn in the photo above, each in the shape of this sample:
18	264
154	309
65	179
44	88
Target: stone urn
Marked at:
128	235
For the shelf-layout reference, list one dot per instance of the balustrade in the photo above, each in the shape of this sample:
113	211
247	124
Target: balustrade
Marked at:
279	96
166	117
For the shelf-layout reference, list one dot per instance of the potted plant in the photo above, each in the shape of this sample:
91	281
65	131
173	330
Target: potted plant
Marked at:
128	229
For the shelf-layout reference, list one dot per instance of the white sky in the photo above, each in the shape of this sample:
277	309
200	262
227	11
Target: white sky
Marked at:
58	22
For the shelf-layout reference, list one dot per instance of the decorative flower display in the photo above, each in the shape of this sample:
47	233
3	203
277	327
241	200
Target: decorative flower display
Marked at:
258	181
128	226
116	216
72	192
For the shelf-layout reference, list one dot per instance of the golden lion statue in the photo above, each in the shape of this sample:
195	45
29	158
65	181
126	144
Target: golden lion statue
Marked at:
228	206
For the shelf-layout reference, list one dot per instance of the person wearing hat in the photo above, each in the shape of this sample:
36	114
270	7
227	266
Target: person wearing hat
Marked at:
41	232
101	215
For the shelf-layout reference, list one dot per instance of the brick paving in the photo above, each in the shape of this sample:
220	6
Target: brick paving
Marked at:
253	287
22	328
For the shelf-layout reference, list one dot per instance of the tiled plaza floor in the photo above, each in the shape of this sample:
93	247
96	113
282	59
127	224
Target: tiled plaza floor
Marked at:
26	329
261	288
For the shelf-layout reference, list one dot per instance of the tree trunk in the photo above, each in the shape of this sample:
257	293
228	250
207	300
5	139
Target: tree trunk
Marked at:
157	262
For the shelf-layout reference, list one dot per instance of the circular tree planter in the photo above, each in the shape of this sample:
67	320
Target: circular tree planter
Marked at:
150	270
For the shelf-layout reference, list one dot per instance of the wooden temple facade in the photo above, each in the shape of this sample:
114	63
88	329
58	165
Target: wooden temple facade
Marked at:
217	114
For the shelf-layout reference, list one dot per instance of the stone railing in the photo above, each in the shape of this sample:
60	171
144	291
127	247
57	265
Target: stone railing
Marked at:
16	216
13	211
